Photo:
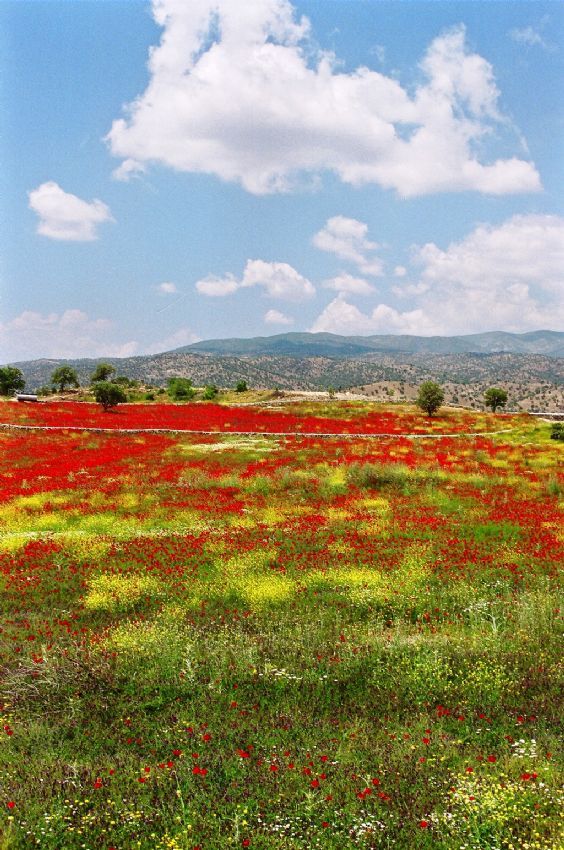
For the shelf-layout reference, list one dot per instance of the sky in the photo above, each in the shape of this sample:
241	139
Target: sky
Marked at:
179	171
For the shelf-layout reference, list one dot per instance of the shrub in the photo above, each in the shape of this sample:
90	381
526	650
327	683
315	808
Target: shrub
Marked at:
210	392
108	394
241	387
181	388
557	431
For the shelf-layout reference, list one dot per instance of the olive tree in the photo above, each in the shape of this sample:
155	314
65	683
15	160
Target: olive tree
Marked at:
108	394
494	398
430	397
11	380
103	372
63	377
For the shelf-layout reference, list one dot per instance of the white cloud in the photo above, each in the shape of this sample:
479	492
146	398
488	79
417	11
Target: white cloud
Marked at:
167	288
279	280
239	90
532	36
340	317
505	277
70	334
510	276
400	271
346	238
181	337
275	317
347	283
64	216
217	287
128	169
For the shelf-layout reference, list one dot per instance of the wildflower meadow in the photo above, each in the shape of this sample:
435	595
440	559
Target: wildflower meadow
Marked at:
312	627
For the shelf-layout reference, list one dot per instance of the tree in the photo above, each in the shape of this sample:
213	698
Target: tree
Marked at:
181	388
494	398
103	372
241	387
11	380
210	392
64	376
430	397
109	394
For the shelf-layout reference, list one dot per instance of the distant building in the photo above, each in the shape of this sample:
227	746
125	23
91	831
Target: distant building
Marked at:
26	397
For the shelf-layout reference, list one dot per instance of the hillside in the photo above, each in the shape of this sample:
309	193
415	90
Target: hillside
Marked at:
534	382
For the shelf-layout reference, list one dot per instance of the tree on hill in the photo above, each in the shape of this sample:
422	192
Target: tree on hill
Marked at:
109	394
241	387
181	388
494	398
103	372
11	380
64	376
430	397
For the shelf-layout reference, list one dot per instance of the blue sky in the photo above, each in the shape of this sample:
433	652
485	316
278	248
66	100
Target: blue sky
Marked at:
183	171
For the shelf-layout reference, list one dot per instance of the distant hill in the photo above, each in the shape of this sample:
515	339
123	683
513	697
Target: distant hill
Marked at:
549	343
534	381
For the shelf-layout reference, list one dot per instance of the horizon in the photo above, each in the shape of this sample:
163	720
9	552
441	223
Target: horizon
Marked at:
177	173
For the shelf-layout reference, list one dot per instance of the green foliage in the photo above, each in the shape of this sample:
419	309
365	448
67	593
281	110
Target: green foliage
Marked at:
210	392
108	394
63	377
103	372
241	387
11	380
430	397
557	431
495	397
181	389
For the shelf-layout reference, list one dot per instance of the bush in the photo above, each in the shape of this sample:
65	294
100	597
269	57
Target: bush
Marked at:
210	392
241	387
181	388
108	394
557	431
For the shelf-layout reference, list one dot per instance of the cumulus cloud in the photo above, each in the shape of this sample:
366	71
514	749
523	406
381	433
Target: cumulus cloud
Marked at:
347	283
239	90
509	276
217	287
347	239
66	217
275	317
167	288
279	280
341	317
70	334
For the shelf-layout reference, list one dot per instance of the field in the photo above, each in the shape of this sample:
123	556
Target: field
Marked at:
231	640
